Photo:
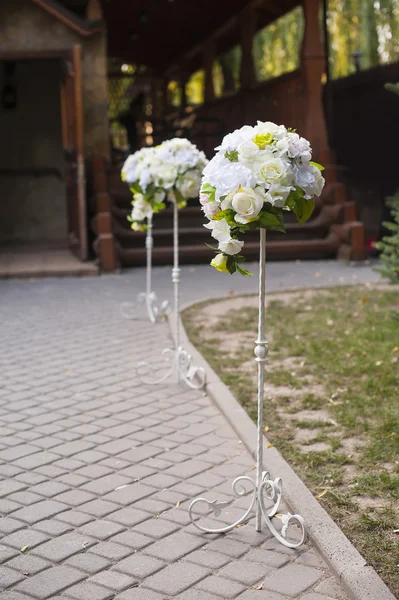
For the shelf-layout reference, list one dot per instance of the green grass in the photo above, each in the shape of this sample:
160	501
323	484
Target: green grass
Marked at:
344	342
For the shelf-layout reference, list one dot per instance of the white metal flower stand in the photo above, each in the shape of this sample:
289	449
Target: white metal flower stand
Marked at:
263	487
178	361
155	311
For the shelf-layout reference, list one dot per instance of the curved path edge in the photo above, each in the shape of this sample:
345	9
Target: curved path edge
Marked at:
359	580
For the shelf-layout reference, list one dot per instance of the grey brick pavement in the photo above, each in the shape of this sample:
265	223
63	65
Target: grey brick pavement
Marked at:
97	470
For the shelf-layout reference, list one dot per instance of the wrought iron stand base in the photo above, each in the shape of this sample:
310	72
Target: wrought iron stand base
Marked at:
272	490
181	366
156	313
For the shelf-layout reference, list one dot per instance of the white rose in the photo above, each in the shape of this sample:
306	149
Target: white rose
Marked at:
247	151
247	203
220	263
282	146
226	203
231	246
231	141
210	209
166	175
220	230
189	184
141	208
277	195
145	179
271	169
310	179
138	214
277	131
298	147
230	177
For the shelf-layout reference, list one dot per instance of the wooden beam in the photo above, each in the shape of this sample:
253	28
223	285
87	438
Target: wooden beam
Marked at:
94	11
313	68
247	31
68	18
209	54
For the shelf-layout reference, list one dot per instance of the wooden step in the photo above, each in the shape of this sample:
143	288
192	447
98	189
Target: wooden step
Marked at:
281	250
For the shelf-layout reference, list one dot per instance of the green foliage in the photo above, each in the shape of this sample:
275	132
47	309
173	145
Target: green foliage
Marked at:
276	47
226	71
389	245
362	25
195	87
232	155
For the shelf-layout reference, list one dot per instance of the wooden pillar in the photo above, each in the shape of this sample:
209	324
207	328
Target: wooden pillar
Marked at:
183	78
105	246
247	32
208	60
313	65
94	10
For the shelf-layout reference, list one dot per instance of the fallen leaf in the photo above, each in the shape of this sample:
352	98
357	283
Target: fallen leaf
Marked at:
242	524
253	468
266	428
24	548
166	449
177	504
257	587
269	446
364	299
322	494
156	517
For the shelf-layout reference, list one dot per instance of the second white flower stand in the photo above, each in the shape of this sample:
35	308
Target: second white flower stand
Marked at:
177	361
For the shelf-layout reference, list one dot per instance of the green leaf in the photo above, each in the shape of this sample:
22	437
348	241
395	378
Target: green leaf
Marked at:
232	155
158	207
231	265
303	209
227	214
244	272
207	188
129	218
317	165
24	548
267	220
135	188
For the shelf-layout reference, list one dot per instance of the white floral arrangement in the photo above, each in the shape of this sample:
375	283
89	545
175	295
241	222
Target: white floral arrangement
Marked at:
170	171
257	174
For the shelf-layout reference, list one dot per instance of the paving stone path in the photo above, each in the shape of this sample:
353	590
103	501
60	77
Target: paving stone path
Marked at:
97	470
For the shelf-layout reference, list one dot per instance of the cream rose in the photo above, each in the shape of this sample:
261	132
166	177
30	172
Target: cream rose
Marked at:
220	262
270	169
247	203
247	151
189	184
231	246
220	230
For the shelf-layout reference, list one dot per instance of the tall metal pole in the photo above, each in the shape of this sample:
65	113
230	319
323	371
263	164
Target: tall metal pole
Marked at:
261	351
149	245
176	280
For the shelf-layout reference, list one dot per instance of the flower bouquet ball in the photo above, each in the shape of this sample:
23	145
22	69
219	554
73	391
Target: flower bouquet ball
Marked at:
170	171
257	174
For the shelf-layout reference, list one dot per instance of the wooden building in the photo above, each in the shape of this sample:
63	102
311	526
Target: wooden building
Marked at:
56	179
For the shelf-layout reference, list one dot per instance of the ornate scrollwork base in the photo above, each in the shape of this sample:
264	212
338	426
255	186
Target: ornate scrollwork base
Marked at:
268	489
155	312
178	362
